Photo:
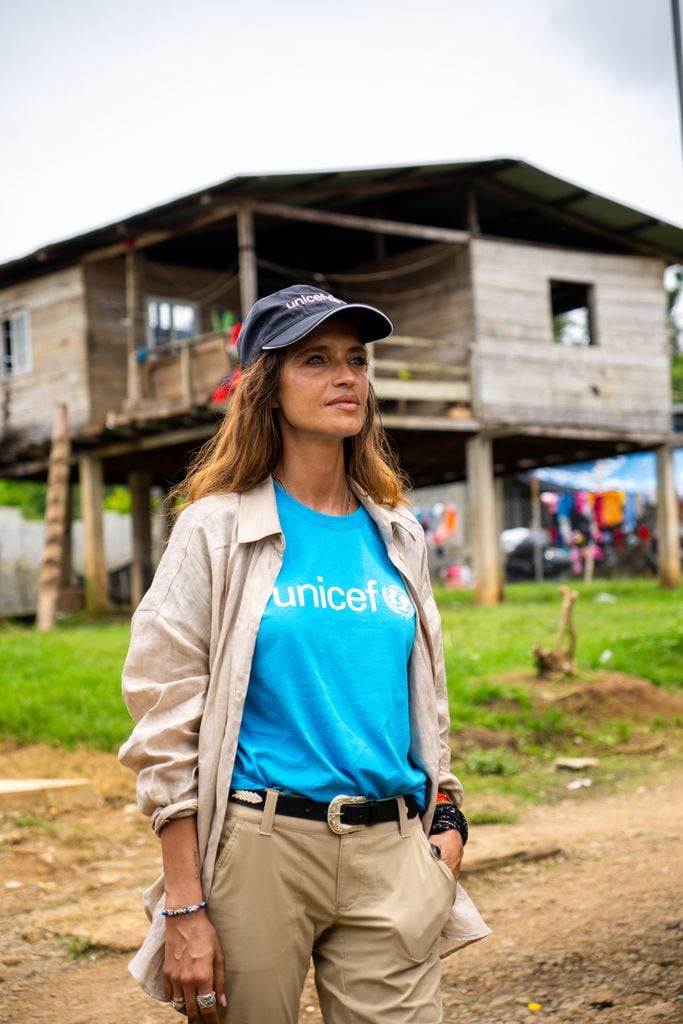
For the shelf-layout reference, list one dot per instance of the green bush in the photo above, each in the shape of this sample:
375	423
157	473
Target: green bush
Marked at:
27	495
30	496
677	377
491	762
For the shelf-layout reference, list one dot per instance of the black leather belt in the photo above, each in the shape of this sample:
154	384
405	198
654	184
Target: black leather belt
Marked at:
343	814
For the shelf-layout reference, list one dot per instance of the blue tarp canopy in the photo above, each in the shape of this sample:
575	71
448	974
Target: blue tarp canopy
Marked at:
635	474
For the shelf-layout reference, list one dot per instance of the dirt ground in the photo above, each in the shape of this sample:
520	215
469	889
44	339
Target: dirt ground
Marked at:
593	932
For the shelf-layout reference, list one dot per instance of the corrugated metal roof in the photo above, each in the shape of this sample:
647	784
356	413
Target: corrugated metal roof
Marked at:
518	187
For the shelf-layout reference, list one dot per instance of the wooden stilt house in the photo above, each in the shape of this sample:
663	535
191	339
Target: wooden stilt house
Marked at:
530	329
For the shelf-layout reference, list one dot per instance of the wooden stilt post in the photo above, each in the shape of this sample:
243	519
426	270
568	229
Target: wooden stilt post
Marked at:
499	491
67	557
92	496
133	326
139	483
246	242
536	527
668	526
486	542
50	578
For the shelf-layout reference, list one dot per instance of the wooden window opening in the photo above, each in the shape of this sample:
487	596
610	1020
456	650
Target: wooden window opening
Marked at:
573	319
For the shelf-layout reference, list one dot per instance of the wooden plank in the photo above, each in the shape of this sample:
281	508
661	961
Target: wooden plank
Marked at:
422	390
546	352
405	341
45	794
44	291
448	370
354	223
152	442
397	421
514	258
599	422
480	865
148	238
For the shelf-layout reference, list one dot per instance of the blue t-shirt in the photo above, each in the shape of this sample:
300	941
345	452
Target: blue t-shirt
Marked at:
327	707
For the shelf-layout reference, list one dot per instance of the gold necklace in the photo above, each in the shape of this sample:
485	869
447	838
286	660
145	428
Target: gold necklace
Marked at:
347	501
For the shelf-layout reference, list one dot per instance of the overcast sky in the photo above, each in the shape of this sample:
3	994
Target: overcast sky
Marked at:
107	109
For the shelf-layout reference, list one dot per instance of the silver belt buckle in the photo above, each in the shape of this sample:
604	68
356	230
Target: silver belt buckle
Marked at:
334	809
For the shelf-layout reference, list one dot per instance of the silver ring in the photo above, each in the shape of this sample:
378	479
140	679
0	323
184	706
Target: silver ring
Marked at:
179	1005
204	1002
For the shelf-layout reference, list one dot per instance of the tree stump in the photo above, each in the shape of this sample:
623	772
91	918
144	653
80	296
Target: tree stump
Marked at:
560	660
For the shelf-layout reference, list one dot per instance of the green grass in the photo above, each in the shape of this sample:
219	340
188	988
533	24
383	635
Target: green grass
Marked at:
28	820
488	817
78	947
643	630
64	686
491	762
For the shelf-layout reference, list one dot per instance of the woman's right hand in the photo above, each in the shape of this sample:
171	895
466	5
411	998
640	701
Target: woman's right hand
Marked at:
193	964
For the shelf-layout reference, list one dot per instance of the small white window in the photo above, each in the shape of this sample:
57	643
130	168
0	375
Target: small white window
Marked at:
16	344
170	320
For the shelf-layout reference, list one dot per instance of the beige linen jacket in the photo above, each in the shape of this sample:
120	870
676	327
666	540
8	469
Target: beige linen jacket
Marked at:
186	673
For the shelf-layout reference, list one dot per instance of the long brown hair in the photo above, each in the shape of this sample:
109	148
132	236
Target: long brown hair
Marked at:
248	444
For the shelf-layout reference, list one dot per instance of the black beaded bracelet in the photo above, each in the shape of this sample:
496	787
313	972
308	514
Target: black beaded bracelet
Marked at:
447	817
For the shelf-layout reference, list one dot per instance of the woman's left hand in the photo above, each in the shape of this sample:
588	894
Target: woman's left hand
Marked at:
450	844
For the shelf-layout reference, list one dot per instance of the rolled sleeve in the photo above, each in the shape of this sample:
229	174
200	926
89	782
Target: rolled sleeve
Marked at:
166	674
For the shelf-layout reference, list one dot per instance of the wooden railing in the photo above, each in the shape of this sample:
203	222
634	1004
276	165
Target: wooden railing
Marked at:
180	374
183	374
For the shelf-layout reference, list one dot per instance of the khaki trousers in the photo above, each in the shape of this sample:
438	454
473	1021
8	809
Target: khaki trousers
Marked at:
368	906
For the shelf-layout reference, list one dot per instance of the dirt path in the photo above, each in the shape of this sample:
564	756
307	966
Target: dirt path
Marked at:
592	934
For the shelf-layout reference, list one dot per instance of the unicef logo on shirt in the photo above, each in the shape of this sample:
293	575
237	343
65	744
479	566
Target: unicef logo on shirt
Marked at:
397	599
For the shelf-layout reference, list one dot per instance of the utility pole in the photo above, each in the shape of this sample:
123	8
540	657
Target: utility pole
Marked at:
678	56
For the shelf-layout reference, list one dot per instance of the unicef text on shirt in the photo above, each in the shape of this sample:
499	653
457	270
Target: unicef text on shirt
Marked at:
336	599
303	300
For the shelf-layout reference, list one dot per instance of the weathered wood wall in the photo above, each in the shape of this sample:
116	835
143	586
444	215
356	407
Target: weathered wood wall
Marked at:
432	301
106	310
57	328
520	374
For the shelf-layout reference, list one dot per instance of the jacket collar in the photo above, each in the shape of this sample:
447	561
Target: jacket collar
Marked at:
258	518
388	520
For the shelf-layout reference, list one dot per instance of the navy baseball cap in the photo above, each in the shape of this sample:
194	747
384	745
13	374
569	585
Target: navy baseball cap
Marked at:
280	319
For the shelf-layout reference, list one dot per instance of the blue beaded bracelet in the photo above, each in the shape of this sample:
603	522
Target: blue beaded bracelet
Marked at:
179	911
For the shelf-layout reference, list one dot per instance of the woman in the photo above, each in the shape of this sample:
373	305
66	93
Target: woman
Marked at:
286	676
